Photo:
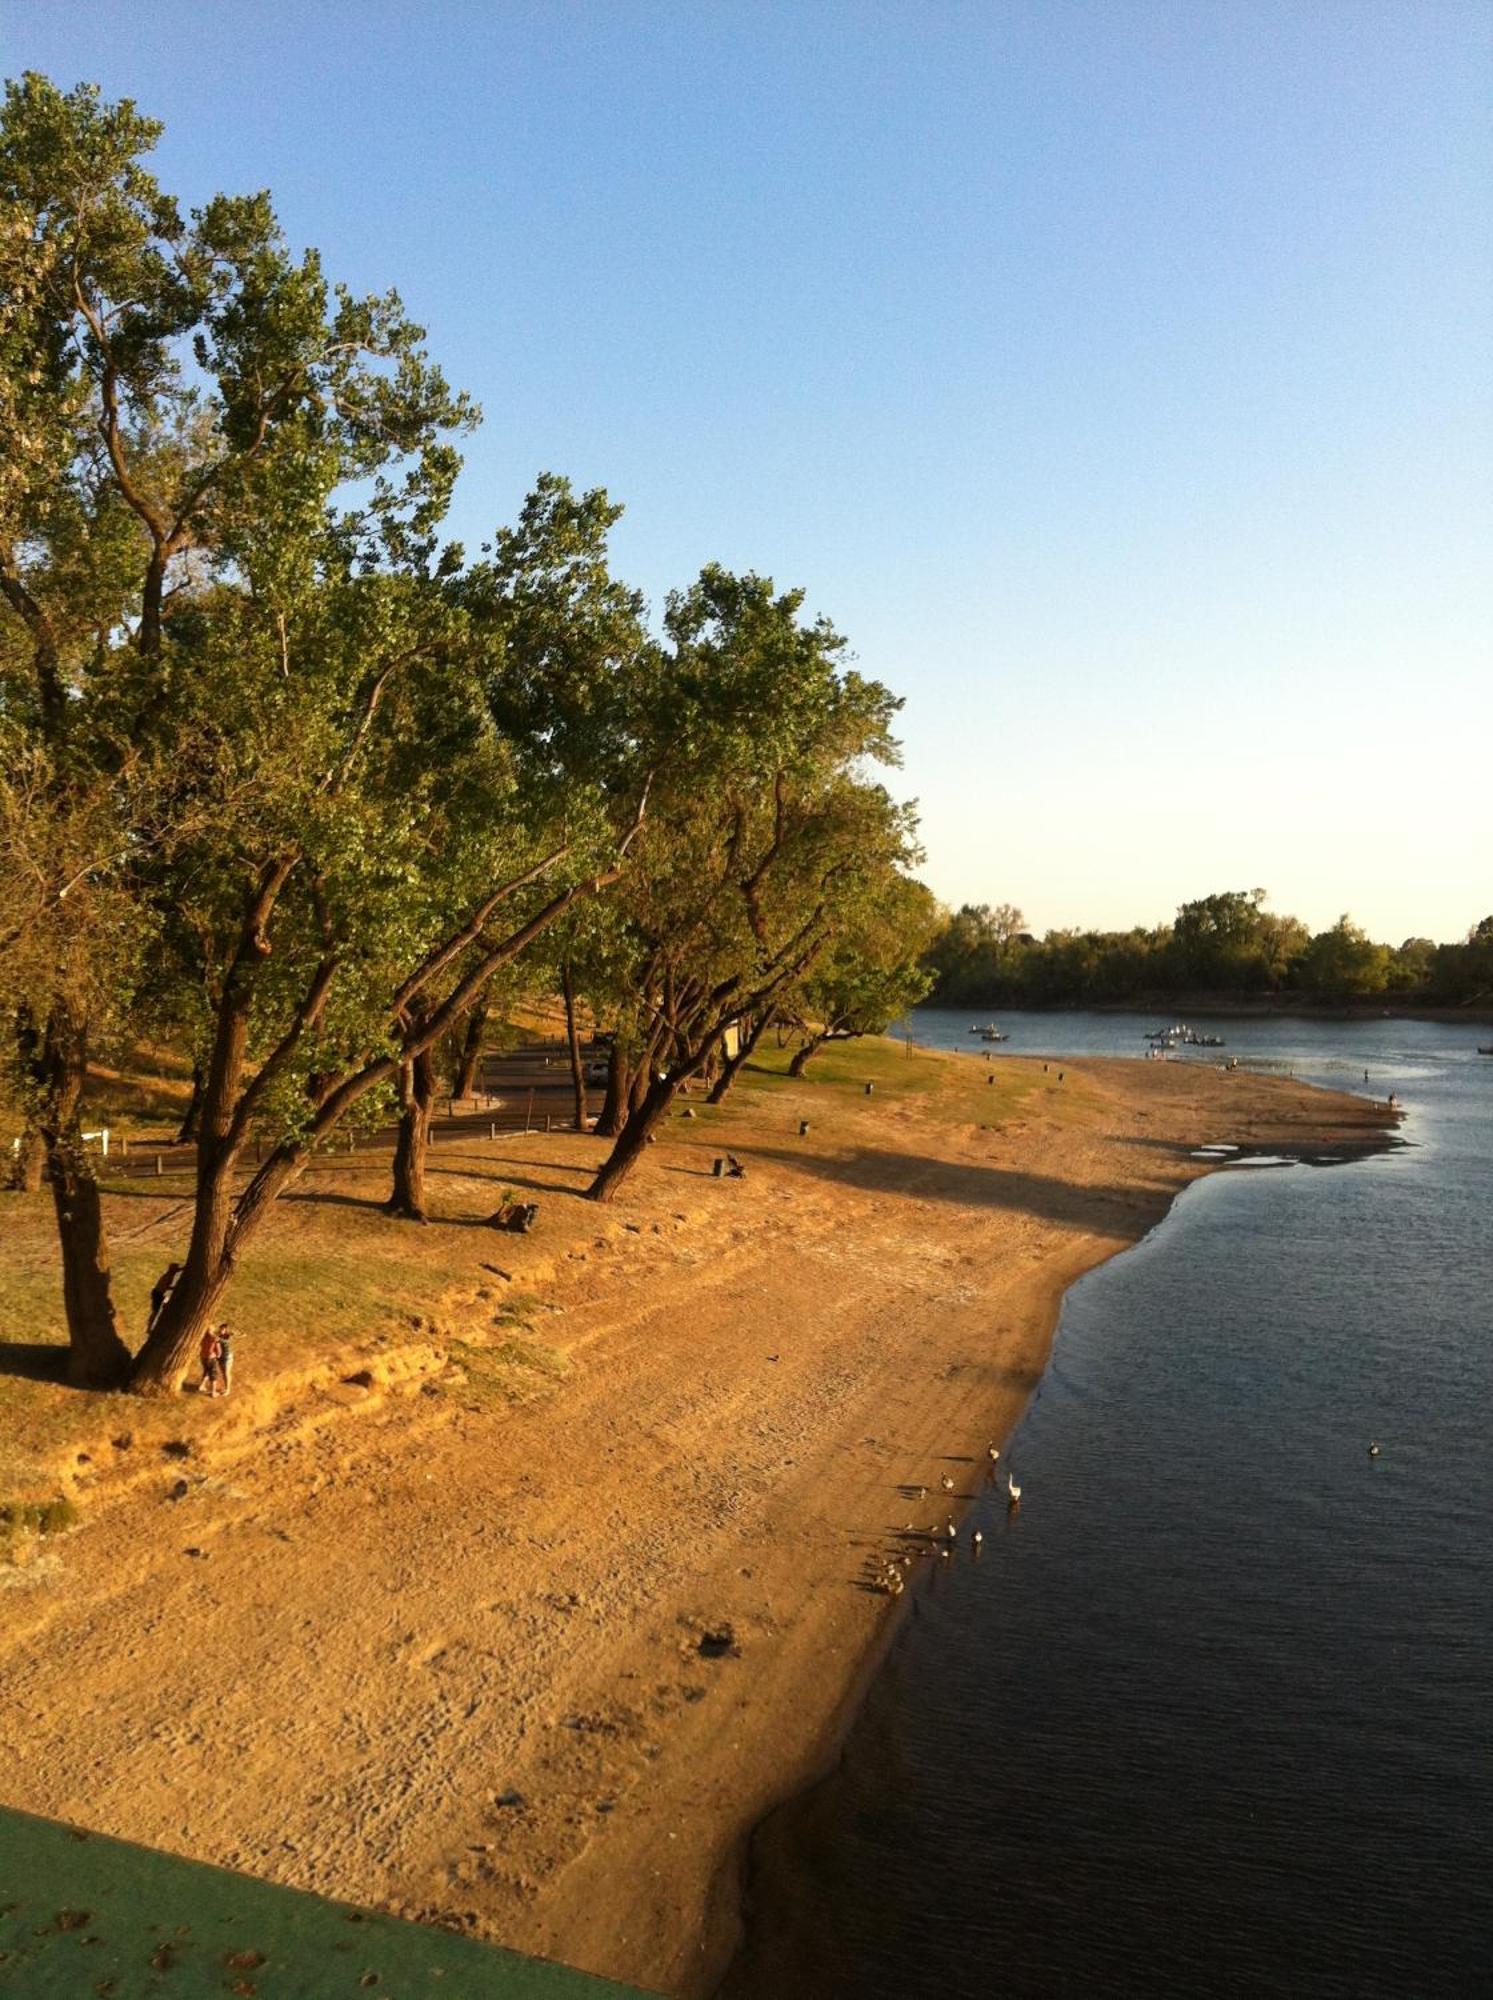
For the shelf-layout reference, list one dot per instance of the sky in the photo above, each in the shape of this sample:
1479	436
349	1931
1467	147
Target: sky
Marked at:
1117	375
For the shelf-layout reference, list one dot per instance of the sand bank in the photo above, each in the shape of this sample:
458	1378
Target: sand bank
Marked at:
535	1667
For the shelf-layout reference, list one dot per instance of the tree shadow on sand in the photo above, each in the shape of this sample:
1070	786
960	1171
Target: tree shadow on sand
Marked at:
34	1360
878	1171
373	1204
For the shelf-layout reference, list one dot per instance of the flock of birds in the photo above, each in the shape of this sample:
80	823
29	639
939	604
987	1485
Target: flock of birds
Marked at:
891	1577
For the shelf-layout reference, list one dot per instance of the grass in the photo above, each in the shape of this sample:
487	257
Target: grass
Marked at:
509	1372
332	1278
21	1520
953	1090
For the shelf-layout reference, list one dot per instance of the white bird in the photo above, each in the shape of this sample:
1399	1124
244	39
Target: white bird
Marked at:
1373	1450
976	1538
951	1531
992	1452
1012	1489
946	1483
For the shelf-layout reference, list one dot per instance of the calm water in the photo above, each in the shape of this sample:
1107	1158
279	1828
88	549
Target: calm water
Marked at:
1212	1713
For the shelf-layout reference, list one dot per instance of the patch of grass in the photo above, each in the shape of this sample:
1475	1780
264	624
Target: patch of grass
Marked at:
948	1087
22	1518
517	1309
869	1059
511	1371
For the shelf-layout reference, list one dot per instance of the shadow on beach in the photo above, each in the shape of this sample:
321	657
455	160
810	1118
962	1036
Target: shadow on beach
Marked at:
877	1171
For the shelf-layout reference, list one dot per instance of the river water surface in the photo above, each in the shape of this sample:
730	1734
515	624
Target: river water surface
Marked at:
1213	1712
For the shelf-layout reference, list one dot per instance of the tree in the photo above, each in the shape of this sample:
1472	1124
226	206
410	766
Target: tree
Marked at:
562	647
231	481
760	835
1343	964
385	869
85	306
873	971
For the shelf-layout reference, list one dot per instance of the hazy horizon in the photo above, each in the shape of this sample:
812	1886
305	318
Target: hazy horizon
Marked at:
1117	378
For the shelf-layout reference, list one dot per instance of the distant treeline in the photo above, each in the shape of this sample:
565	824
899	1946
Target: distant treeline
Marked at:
1227	947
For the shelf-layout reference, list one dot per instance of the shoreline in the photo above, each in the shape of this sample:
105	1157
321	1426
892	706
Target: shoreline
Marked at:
552	1709
797	1803
1217	1009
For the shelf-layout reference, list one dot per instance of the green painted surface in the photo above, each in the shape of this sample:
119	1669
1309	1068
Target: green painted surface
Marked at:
83	1917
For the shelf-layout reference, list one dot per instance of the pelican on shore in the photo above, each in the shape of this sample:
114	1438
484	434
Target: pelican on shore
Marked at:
992	1452
1013	1491
951	1532
946	1483
975	1540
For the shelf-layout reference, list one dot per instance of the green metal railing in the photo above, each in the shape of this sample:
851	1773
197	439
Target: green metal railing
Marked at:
84	1917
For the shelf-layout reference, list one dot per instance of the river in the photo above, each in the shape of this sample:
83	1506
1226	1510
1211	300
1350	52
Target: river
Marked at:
1211	1713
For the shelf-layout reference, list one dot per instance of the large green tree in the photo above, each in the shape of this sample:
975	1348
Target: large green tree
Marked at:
235	649
872	971
762	830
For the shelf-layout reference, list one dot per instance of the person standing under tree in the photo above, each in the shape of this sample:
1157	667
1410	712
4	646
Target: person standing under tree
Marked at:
210	1352
225	1359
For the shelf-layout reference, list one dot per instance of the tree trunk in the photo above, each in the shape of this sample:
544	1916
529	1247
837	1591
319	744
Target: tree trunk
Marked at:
619	1093
192	1118
634	1136
802	1054
28	1162
30	1157
221	1227
471	1053
417	1101
573	1043
97	1357
637	1090
733	1065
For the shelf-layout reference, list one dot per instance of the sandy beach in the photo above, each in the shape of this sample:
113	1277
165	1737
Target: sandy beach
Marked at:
534	1662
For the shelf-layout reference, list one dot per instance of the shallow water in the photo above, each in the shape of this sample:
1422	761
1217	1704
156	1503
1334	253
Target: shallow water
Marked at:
1211	1713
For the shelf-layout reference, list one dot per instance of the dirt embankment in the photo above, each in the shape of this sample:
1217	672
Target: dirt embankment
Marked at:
525	1624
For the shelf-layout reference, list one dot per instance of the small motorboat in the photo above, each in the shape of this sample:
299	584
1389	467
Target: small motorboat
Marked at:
1488	1051
993	1035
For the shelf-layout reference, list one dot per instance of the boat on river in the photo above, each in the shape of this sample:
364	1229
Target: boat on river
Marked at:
1182	1036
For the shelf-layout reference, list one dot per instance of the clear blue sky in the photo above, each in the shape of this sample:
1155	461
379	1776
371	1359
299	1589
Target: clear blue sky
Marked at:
1118	376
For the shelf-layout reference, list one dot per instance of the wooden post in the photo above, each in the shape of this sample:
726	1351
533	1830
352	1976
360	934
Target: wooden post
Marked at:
529	1110
159	1168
